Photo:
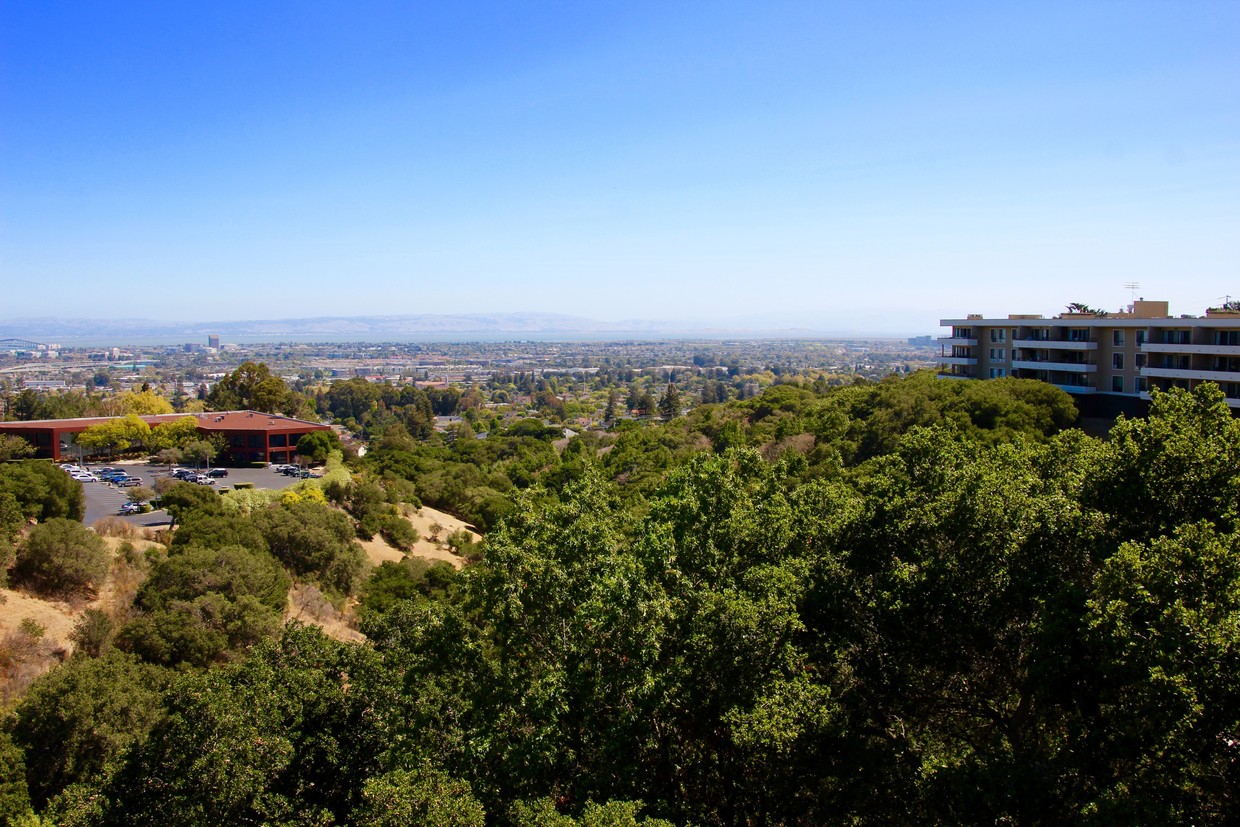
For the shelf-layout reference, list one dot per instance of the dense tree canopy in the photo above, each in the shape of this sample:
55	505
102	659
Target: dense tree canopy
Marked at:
896	603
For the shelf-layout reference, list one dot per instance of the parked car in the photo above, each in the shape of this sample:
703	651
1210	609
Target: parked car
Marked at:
84	477
218	472
203	479
130	508
128	482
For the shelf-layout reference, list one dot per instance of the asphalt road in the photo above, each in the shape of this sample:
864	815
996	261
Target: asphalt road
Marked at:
105	500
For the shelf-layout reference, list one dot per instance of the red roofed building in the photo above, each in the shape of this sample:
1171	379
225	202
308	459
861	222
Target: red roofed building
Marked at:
249	436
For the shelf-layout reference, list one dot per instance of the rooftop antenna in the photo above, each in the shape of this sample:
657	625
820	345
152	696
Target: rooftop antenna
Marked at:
1133	287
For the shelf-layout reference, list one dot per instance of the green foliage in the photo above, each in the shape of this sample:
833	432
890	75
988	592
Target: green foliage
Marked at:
542	813
890	603
77	723
318	445
410	579
215	530
284	737
14	794
92	634
426	796
1166	618
42	490
61	557
253	387
1174	467
315	541
183	498
14	447
202	605
117	435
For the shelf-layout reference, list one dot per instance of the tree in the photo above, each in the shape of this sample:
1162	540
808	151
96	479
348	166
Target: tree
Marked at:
14	447
1165	618
425	796
252	386
201	606
118	434
202	450
77	722
42	490
669	403
139	494
314	540
143	402
62	557
316	446
174	435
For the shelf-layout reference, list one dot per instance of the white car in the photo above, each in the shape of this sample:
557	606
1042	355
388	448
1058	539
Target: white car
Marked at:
203	479
84	477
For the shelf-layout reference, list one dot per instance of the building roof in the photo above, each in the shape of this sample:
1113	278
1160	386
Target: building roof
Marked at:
210	421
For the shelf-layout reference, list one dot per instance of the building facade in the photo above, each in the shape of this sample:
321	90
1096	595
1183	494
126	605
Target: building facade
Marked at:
249	436
1116	357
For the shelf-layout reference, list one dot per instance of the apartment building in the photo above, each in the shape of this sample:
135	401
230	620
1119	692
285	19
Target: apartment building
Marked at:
1108	361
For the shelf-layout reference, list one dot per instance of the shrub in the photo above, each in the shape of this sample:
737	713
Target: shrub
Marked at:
398	532
62	557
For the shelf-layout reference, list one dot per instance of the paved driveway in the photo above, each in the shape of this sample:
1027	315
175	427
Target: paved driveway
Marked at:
105	500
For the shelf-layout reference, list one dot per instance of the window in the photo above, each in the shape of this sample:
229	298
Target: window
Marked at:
1140	360
1117	361
1117	384
998	373
1140	337
1117	338
998	354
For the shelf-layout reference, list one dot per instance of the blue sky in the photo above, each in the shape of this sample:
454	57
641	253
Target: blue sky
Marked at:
861	166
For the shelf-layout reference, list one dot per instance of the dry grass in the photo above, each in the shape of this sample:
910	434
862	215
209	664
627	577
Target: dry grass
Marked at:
116	527
308	605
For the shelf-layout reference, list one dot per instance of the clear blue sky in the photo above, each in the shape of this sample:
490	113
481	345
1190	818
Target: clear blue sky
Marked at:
845	165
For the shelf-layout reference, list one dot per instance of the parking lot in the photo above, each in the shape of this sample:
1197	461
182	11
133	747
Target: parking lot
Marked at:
105	500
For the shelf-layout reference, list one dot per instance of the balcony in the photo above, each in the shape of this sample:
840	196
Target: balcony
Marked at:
957	360
1077	389
953	376
959	342
1066	367
1037	344
1203	350
1200	375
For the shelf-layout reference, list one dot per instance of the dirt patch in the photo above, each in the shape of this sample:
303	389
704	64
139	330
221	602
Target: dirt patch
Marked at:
379	551
308	605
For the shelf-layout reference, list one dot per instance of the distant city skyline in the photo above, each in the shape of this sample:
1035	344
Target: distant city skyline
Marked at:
867	167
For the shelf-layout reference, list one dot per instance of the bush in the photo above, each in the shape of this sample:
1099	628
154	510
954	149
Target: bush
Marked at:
116	527
398	532
62	557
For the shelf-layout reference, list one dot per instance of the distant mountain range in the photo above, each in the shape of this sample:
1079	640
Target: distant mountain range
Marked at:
48	329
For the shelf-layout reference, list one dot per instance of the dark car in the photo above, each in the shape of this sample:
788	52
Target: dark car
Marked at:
218	472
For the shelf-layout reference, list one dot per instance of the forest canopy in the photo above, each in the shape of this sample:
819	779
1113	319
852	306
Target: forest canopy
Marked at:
898	602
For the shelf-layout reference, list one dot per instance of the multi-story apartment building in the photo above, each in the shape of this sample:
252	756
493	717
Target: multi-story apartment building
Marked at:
1109	361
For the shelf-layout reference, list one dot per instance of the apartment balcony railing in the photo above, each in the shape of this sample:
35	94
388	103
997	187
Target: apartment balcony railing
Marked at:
957	360
1184	373
1068	367
957	340
1039	344
1204	350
